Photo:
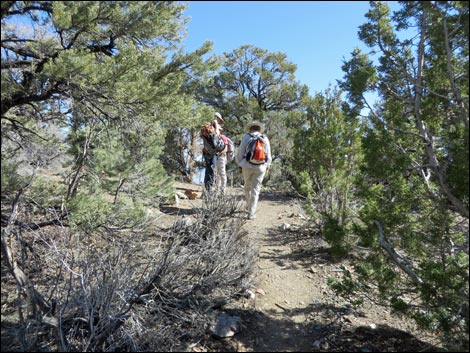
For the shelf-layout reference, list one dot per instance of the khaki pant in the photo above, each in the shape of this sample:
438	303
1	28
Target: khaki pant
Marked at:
221	172
253	180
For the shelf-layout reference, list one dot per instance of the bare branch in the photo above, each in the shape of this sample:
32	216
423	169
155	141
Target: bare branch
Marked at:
8	253
402	262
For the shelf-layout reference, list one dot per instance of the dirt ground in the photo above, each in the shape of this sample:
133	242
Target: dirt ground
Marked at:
293	309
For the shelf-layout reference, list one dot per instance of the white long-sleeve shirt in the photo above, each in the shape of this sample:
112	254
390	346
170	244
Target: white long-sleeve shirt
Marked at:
241	160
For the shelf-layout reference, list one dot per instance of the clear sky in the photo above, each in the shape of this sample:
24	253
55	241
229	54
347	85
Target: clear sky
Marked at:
316	35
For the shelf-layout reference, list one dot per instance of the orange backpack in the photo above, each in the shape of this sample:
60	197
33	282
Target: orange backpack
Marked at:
255	151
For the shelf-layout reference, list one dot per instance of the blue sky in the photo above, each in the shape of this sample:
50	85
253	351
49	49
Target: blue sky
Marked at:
316	35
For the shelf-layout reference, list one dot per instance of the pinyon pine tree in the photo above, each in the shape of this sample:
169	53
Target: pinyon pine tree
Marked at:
88	91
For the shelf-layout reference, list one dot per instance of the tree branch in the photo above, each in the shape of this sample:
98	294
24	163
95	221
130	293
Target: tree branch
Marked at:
403	263
8	254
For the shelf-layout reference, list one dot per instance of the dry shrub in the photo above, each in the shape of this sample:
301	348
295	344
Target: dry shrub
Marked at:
139	290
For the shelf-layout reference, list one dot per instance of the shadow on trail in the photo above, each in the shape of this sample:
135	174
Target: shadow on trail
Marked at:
306	249
276	196
322	329
177	211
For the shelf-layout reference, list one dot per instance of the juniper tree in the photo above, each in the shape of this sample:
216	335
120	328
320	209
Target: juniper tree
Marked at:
326	155
415	181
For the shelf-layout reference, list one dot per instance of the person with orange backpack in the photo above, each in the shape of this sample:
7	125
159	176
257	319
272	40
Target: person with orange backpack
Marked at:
254	157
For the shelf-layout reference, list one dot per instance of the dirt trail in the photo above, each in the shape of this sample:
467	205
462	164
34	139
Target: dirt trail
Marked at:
294	310
279	315
284	288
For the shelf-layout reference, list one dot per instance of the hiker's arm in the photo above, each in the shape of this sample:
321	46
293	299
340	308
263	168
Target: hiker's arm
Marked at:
241	150
268	152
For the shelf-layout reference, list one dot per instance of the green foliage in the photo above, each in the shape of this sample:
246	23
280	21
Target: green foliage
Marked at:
252	83
414	176
110	77
306	185
325	160
359	78
11	180
89	211
107	80
347	286
336	235
398	305
47	191
181	147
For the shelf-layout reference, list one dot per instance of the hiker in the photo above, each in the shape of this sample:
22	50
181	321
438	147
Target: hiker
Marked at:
219	120
213	145
220	159
254	157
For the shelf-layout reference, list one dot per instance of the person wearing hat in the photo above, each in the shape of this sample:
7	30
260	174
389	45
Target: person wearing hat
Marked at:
218	118
220	160
211	157
253	174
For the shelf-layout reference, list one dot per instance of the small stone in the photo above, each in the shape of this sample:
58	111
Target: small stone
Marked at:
260	291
